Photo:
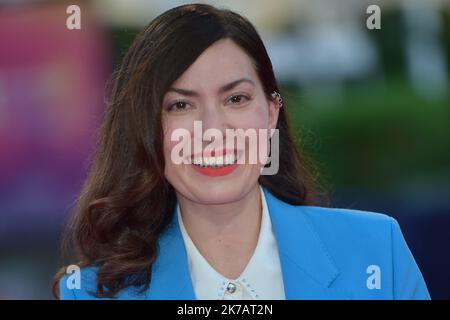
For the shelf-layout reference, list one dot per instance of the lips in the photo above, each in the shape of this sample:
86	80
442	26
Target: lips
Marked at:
224	163
223	158
216	171
215	162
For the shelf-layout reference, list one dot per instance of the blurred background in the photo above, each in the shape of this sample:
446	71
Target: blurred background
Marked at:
371	108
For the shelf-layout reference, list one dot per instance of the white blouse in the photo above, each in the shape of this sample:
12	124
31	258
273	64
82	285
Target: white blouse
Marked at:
261	279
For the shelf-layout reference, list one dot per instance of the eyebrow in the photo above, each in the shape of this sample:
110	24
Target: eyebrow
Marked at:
223	89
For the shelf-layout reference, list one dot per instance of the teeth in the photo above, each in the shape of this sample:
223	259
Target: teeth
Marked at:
209	161
229	159
218	161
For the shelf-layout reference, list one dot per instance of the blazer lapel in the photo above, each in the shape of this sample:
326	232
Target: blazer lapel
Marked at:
171	278
308	270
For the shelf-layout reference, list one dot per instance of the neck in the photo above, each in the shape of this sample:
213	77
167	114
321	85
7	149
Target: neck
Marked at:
224	232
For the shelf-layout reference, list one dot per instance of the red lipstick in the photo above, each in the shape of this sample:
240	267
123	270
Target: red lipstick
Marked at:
216	171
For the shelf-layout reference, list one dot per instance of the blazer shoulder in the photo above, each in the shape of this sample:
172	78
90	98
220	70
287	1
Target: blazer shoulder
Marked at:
346	215
357	229
372	238
349	219
339	226
81	284
78	283
323	216
341	229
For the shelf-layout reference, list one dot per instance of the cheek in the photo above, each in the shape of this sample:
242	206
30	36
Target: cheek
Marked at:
257	120
174	149
167	131
171	127
256	117
168	146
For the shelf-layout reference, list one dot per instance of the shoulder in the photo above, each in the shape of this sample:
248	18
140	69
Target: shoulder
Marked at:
81	284
362	241
349	222
78	283
363	233
347	230
331	222
329	219
336	228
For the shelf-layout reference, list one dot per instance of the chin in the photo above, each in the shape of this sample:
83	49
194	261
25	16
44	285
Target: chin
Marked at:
214	190
217	193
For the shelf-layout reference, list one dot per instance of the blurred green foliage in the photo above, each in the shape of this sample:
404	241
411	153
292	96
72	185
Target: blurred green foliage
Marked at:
121	40
375	136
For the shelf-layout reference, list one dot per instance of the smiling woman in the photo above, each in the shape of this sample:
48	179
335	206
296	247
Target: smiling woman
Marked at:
148	227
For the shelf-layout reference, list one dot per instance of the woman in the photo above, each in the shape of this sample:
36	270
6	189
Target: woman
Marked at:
213	226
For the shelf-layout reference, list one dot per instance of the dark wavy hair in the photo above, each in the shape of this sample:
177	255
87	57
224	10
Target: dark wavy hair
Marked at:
126	202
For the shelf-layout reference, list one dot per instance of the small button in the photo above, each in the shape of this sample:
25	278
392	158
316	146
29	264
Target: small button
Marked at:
231	288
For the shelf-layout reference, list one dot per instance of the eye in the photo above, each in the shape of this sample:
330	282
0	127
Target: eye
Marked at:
178	106
239	99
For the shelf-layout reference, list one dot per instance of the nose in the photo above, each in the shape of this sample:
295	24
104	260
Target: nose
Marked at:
212	117
213	124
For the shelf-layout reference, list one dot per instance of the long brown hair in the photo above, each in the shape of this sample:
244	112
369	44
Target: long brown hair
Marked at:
126	202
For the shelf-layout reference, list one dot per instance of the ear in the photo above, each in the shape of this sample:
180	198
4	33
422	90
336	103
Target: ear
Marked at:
274	111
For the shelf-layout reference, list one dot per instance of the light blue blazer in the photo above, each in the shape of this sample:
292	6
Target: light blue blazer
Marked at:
325	253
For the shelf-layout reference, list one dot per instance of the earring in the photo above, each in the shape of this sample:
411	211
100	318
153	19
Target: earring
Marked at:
276	95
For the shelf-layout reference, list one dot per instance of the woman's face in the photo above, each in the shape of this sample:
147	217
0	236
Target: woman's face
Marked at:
221	90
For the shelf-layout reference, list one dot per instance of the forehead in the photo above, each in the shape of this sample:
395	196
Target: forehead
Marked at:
224	61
